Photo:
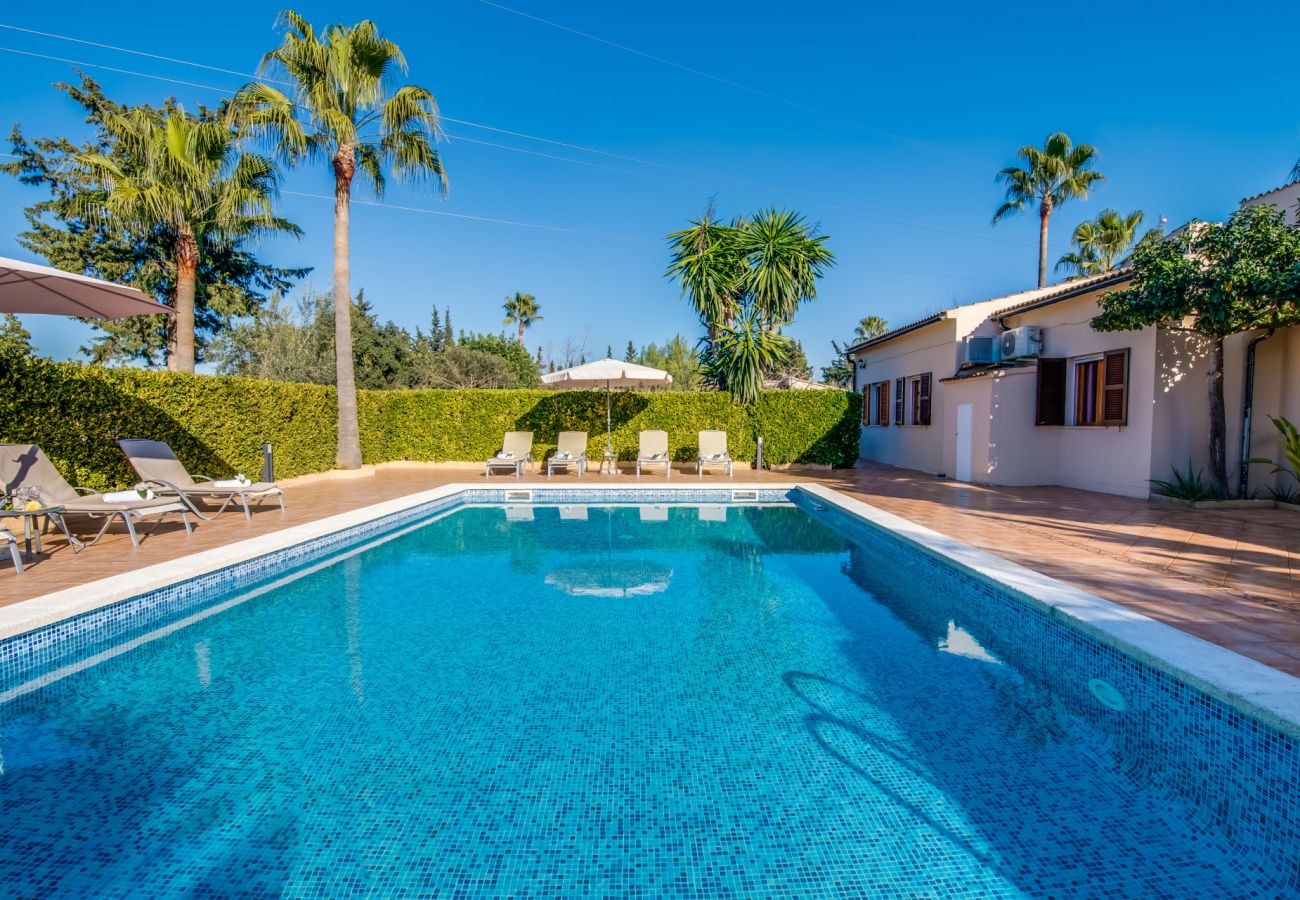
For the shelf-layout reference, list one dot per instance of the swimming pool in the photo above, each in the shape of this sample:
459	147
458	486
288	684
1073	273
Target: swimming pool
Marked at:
602	699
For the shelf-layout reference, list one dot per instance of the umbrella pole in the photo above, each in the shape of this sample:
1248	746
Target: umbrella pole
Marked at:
609	431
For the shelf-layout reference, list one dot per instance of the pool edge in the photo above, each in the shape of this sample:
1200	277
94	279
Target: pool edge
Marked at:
1264	693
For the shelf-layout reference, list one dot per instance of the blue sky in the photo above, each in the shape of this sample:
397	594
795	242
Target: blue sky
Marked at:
899	116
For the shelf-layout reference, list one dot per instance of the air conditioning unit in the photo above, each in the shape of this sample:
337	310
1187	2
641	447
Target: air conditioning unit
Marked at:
980	351
1021	342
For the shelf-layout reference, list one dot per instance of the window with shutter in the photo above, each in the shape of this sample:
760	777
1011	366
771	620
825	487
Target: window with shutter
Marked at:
924	407
866	404
1114	388
900	388
882	403
1049	404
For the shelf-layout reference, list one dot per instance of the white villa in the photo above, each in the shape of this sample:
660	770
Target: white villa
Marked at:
1020	390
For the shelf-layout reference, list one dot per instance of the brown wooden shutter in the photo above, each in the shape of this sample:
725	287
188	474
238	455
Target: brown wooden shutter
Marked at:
882	403
1049	406
866	404
1114	388
900	389
925	400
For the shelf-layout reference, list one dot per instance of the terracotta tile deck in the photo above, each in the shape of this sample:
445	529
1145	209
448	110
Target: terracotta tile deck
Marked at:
1231	576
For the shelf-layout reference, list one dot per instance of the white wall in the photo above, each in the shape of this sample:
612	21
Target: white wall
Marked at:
932	348
1114	459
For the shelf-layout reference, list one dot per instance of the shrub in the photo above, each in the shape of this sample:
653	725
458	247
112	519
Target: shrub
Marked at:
217	424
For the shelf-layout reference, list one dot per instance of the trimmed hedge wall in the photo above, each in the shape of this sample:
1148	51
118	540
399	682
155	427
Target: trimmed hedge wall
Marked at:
217	424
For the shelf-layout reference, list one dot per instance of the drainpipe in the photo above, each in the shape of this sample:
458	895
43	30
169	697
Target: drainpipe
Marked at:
1247	407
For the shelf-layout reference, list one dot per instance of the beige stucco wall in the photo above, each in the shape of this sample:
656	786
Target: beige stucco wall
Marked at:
1182	421
932	348
1115	460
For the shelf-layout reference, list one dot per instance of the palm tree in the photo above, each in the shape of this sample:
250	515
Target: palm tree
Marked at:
186	177
522	310
1101	243
706	262
345	110
1058	172
869	327
784	258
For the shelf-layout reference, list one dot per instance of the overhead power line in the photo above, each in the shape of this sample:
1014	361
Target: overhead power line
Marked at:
894	218
712	77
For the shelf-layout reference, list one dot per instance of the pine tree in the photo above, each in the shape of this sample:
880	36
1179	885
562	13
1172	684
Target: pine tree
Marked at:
629	355
448	336
609	351
435	331
539	356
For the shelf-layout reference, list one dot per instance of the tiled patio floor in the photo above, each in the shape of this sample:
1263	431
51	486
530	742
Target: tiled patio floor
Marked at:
1231	576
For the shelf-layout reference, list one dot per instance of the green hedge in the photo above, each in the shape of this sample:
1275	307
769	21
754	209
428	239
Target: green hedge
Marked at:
218	424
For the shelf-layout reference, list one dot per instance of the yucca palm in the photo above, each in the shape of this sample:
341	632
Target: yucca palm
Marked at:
708	266
344	110
522	310
1101	243
747	349
1058	172
784	258
186	177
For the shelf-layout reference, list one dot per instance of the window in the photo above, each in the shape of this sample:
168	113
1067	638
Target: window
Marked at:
1087	391
1096	388
917	399
880	403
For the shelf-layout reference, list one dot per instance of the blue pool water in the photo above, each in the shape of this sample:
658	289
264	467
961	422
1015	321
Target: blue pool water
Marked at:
623	701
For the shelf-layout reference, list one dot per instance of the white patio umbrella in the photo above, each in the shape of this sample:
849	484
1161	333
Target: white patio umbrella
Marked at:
609	374
28	288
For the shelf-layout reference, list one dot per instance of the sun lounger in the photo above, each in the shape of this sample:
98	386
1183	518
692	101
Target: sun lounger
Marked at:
713	452
653	451
11	542
570	450
26	466
516	454
158	467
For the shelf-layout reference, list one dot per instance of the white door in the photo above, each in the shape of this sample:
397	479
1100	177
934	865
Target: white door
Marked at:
965	421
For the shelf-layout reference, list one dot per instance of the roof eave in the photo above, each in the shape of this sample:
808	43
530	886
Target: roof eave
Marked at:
895	333
1065	294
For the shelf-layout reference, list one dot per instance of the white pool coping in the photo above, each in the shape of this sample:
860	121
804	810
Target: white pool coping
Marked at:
1263	692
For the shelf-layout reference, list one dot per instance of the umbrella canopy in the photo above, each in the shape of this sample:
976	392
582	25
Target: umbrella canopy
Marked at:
29	288
606	373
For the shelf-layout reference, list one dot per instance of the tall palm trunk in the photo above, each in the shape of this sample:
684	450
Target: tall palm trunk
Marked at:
1044	214
181	357
1218	421
521	334
348	454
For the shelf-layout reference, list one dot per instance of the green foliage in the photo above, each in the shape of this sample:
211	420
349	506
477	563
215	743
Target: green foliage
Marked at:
1230	277
1185	486
14	338
1238	276
746	277
1099	244
676	357
1289	437
522	310
230	282
746	352
840	372
1057	172
791	363
217	424
869	327
521	363
282	342
462	367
